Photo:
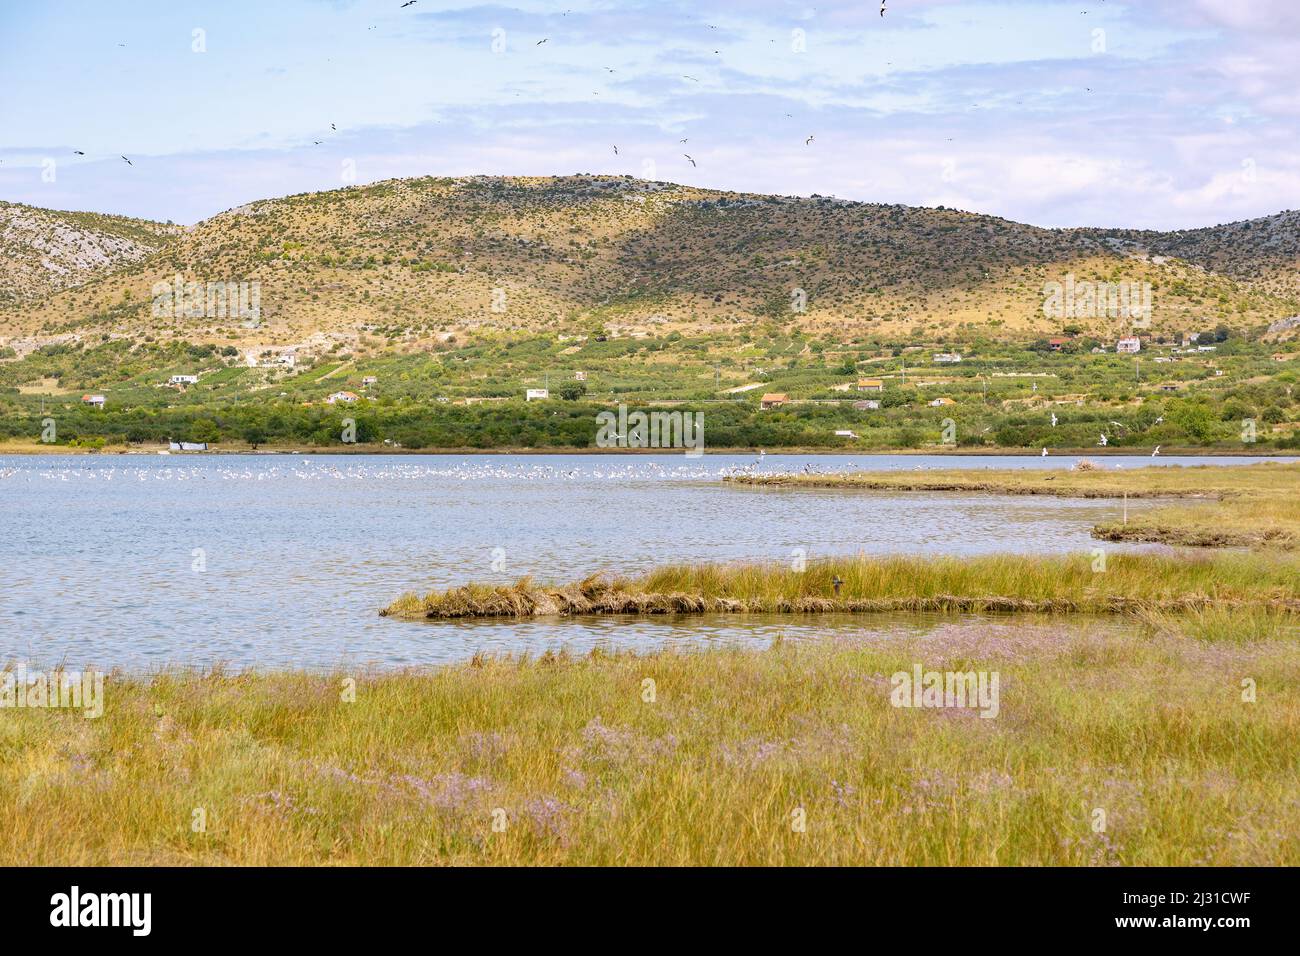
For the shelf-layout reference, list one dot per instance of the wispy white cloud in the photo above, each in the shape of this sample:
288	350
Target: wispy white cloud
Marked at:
1157	114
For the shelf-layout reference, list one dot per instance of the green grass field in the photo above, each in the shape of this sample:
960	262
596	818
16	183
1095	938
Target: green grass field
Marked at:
1111	745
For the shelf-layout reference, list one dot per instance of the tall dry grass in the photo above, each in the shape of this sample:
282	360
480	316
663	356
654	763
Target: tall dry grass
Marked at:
1072	583
583	765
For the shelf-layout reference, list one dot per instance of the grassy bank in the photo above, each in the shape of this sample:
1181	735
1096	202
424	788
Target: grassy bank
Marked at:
1252	506
576	761
1246	522
1270	479
1074	583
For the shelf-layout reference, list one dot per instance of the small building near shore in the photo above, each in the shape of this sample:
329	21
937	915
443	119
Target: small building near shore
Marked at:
96	401
536	394
871	385
343	398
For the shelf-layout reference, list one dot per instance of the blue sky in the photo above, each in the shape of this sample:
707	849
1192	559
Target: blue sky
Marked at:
1150	113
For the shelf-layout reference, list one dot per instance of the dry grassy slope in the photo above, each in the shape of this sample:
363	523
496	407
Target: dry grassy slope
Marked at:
45	250
420	256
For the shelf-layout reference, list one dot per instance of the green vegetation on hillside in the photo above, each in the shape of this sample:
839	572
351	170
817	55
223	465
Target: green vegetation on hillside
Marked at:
452	292
470	394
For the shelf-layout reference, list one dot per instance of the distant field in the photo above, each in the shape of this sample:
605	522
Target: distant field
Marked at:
1001	396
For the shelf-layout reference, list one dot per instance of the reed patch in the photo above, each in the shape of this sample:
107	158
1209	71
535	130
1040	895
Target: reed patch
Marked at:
859	585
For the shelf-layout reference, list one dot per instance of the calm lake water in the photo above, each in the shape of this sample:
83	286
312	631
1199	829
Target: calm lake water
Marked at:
284	561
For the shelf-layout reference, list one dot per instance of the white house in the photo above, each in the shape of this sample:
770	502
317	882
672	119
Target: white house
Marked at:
256	359
844	433
183	380
942	357
1130	344
370	380
579	376
346	398
96	400
537	393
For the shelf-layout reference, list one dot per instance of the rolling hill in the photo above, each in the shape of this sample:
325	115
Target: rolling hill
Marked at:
401	263
45	251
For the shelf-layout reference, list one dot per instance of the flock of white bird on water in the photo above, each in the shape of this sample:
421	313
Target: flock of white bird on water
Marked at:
467	471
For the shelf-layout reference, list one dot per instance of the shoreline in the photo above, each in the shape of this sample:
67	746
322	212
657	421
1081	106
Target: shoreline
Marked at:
36	448
1251	506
